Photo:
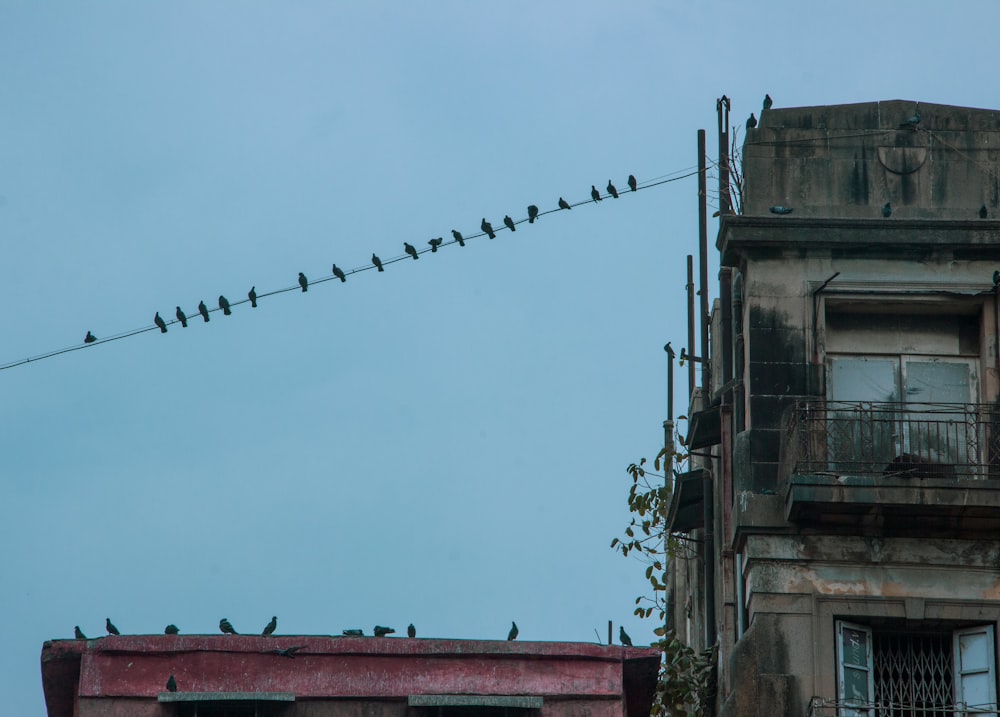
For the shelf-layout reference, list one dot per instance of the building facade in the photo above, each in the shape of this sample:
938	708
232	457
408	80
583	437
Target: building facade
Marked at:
846	450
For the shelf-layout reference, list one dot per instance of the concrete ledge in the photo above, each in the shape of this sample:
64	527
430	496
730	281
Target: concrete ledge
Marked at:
225	697
521	702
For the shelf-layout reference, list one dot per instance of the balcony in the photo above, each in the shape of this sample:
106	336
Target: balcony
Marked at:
895	466
820	707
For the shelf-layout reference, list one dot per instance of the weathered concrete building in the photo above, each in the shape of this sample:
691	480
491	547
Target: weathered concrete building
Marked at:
241	676
847	448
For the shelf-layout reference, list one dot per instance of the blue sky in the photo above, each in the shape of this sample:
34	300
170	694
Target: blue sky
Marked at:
444	443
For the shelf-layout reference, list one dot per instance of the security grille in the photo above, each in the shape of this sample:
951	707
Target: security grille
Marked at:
913	674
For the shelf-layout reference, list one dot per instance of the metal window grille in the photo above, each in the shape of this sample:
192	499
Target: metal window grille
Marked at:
913	674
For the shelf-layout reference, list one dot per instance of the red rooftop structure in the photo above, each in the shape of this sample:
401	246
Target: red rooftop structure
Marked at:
238	676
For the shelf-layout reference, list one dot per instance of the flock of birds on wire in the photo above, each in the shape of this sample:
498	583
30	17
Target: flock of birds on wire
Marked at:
487	230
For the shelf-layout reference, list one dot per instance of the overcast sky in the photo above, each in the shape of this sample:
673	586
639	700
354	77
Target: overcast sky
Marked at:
443	443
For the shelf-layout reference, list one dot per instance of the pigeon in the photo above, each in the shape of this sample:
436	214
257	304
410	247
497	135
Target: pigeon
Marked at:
632	184
339	273
996	278
160	322
563	204
182	317
594	194
778	209
411	631
411	250
170	629
509	223
381	631
623	636
912	122
303	282
532	213
354	633
512	635
983	212
270	627
435	243
767	102
751	121
89	338
887	210
171	684
488	228
227	627
78	633
611	190
289	651
203	310
112	630
252	295
458	237
377	262
224	305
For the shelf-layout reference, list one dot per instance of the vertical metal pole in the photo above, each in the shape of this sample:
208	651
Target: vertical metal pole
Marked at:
725	200
691	345
706	366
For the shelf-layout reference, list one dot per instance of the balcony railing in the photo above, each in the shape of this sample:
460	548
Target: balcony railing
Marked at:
820	707
909	440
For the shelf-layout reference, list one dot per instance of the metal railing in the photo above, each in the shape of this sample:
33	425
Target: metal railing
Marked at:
915	440
822	707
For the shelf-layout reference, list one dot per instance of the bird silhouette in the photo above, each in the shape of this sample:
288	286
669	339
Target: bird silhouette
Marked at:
160	322
623	636
767	102
182	317
983	212
171	684
381	631
270	627
339	273
512	635
594	194
611	190
563	204
89	338
410	249
509	223
632	184
227	627
110	627
170	629
224	305
354	632
751	121
488	228
411	631
458	237
252	295
203	310
887	210
289	651
912	122
778	209
377	262
78	633
435	243
996	278
303	282
532	213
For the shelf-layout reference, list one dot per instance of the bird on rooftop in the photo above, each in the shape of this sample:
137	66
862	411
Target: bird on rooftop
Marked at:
224	305
89	338
160	322
78	633
170	629
270	627
912	122
983	212
458	237
768	102
203	310
488	228
377	262
594	194
632	184
252	295
354	632
110	626
339	273
623	636
563	204
182	317
887	210
751	121
411	631
381	631
612	190
171	684
410	249
532	213
227	627
509	223
512	635
435	243
778	209
289	651
303	282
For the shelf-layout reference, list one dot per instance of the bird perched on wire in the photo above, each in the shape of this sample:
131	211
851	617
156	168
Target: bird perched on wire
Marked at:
289	651
227	627
488	228
303	282
778	209
182	317
170	629
381	631
563	204
887	210
458	237
160	322
339	273
224	305
110	627
532	213
623	636
767	102
411	631
751	121
435	243
632	184
89	338
252	295
270	627
509	223
171	684
594	194
612	190
410	249
377	262
983	212
203	310
78	633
